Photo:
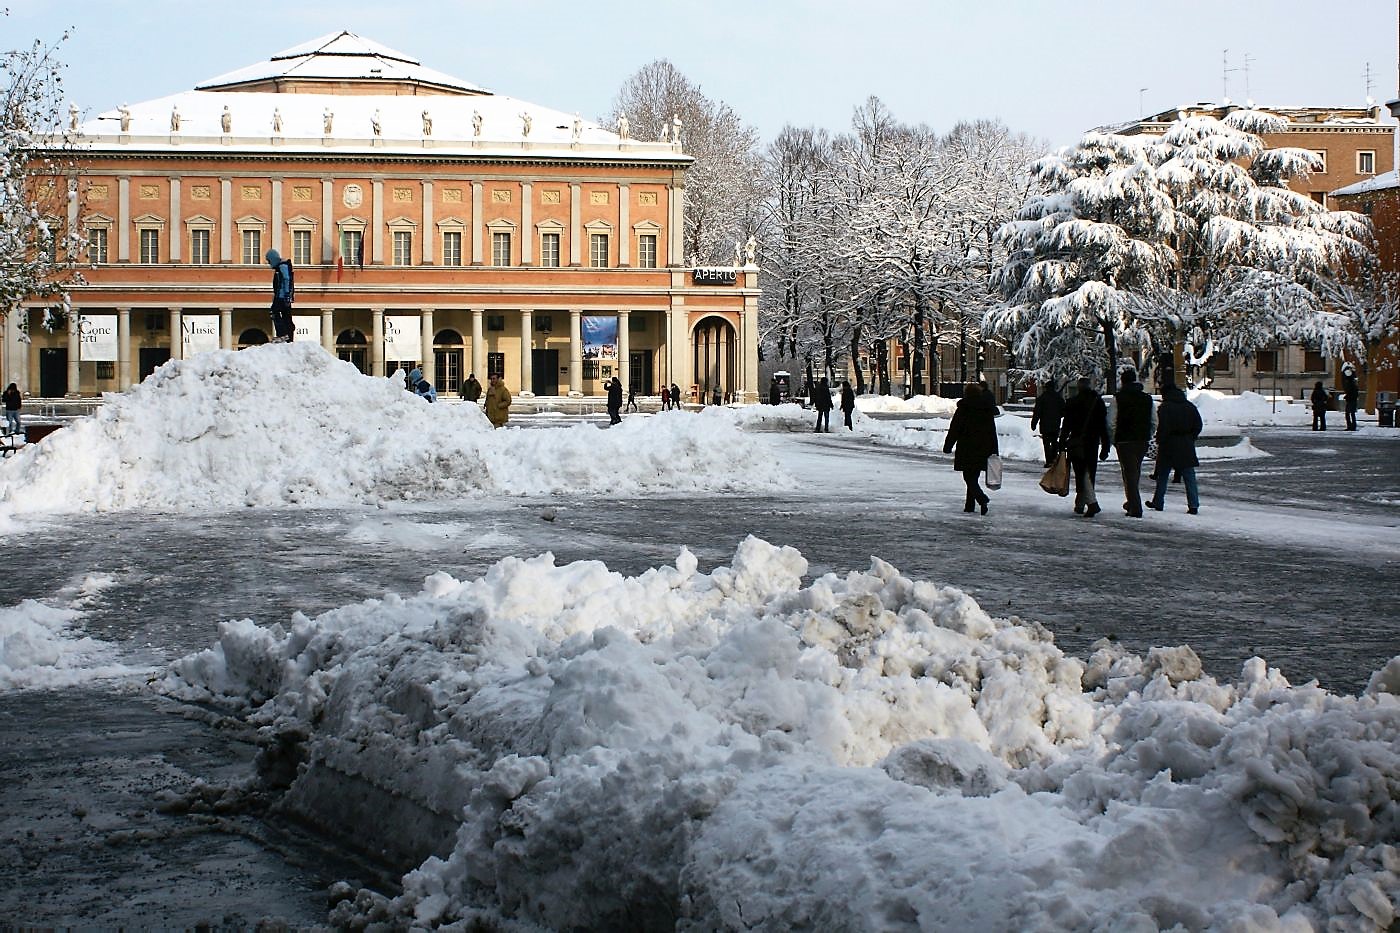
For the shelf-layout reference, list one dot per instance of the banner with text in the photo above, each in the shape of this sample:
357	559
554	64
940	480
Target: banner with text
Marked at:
201	333
307	327
97	338
403	337
599	337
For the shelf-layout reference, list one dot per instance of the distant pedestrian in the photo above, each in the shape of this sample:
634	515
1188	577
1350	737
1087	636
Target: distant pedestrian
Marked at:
848	402
1083	431
973	432
1351	391
615	401
471	389
1178	426
675	396
497	402
632	398
821	401
283	294
665	398
1320	402
1049	409
1132	429
716	397
775	391
13	403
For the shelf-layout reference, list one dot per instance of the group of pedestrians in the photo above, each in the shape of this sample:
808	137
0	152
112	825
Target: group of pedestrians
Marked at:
670	397
1321	400
823	402
1082	429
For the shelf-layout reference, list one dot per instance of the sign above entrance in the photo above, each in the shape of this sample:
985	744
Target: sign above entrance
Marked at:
714	275
403	337
97	337
201	333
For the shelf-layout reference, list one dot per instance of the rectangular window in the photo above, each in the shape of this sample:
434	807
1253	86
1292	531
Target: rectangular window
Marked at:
495	322
403	248
544	323
1366	162
352	247
500	249
155	321
1314	361
97	245
199	247
301	247
1320	197
1220	362
549	250
252	247
590	369
598	250
495	365
150	245
1321	158
1266	361
106	370
452	249
646	251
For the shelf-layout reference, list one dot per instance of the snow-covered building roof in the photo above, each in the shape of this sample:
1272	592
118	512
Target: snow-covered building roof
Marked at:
1379	183
1295	115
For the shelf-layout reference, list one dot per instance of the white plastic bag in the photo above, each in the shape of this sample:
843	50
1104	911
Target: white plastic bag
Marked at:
994	472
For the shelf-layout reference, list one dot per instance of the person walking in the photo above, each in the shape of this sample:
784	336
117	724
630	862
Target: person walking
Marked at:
471	389
848	402
615	401
632	399
1049	409
665	398
1351	391
1178	426
1083	430
497	402
283	294
775	392
972	438
1320	401
675	396
13	403
821	401
1132	429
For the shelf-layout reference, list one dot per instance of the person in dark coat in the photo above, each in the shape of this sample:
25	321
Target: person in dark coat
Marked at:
675	396
13	403
1084	430
973	433
632	398
775	392
1178	426
848	402
1320	401
821	401
471	389
665	398
614	401
1351	391
283	294
1049	409
1132	429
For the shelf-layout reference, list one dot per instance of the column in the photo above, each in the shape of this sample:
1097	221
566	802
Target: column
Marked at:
429	232
124	348
624	355
675	234
425	334
527	357
476	225
226	254
527	224
749	335
329	248
669	346
376	212
575	353
226	329
123	219
684	373
177	335
176	232
277	215
74	351
328	330
575	226
624	225
376	345
478	345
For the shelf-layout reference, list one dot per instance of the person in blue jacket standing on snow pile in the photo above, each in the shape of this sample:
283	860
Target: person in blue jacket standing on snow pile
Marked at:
283	294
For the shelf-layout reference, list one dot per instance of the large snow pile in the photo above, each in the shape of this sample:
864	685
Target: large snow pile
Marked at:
290	424
738	750
1248	408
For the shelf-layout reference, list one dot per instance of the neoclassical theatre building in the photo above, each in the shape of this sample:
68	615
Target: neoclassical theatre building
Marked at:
431	222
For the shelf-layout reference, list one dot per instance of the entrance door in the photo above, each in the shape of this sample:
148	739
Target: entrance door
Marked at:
449	370
639	371
544	375
151	359
53	372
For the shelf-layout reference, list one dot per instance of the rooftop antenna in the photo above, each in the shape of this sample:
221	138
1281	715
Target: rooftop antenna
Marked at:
1248	60
1141	113
1225	70
1370	83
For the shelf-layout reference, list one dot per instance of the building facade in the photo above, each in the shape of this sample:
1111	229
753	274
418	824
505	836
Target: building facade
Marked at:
1379	199
430	223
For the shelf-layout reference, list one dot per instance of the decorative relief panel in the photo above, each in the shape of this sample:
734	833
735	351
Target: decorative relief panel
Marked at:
150	192
301	192
199	192
252	192
549	196
598	197
97	192
403	195
646	198
451	195
500	196
353	196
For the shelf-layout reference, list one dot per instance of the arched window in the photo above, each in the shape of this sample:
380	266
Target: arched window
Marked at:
252	337
351	346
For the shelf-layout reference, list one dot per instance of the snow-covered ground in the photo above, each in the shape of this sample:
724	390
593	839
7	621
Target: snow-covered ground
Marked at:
757	745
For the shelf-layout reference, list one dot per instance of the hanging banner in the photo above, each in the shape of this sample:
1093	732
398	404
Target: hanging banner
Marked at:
97	338
201	333
600	337
403	337
307	328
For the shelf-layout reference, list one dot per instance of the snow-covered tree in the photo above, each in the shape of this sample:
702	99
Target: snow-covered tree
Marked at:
722	186
38	249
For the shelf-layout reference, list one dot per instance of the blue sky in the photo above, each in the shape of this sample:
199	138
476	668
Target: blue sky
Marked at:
1053	68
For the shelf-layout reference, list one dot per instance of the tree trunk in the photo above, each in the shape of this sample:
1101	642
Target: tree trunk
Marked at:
855	360
1111	348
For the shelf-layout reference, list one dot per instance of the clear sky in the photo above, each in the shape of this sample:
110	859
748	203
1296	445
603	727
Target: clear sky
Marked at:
1052	68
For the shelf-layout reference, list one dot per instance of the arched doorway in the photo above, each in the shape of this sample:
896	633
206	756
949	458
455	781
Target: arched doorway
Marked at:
714	345
352	347
448	352
252	337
